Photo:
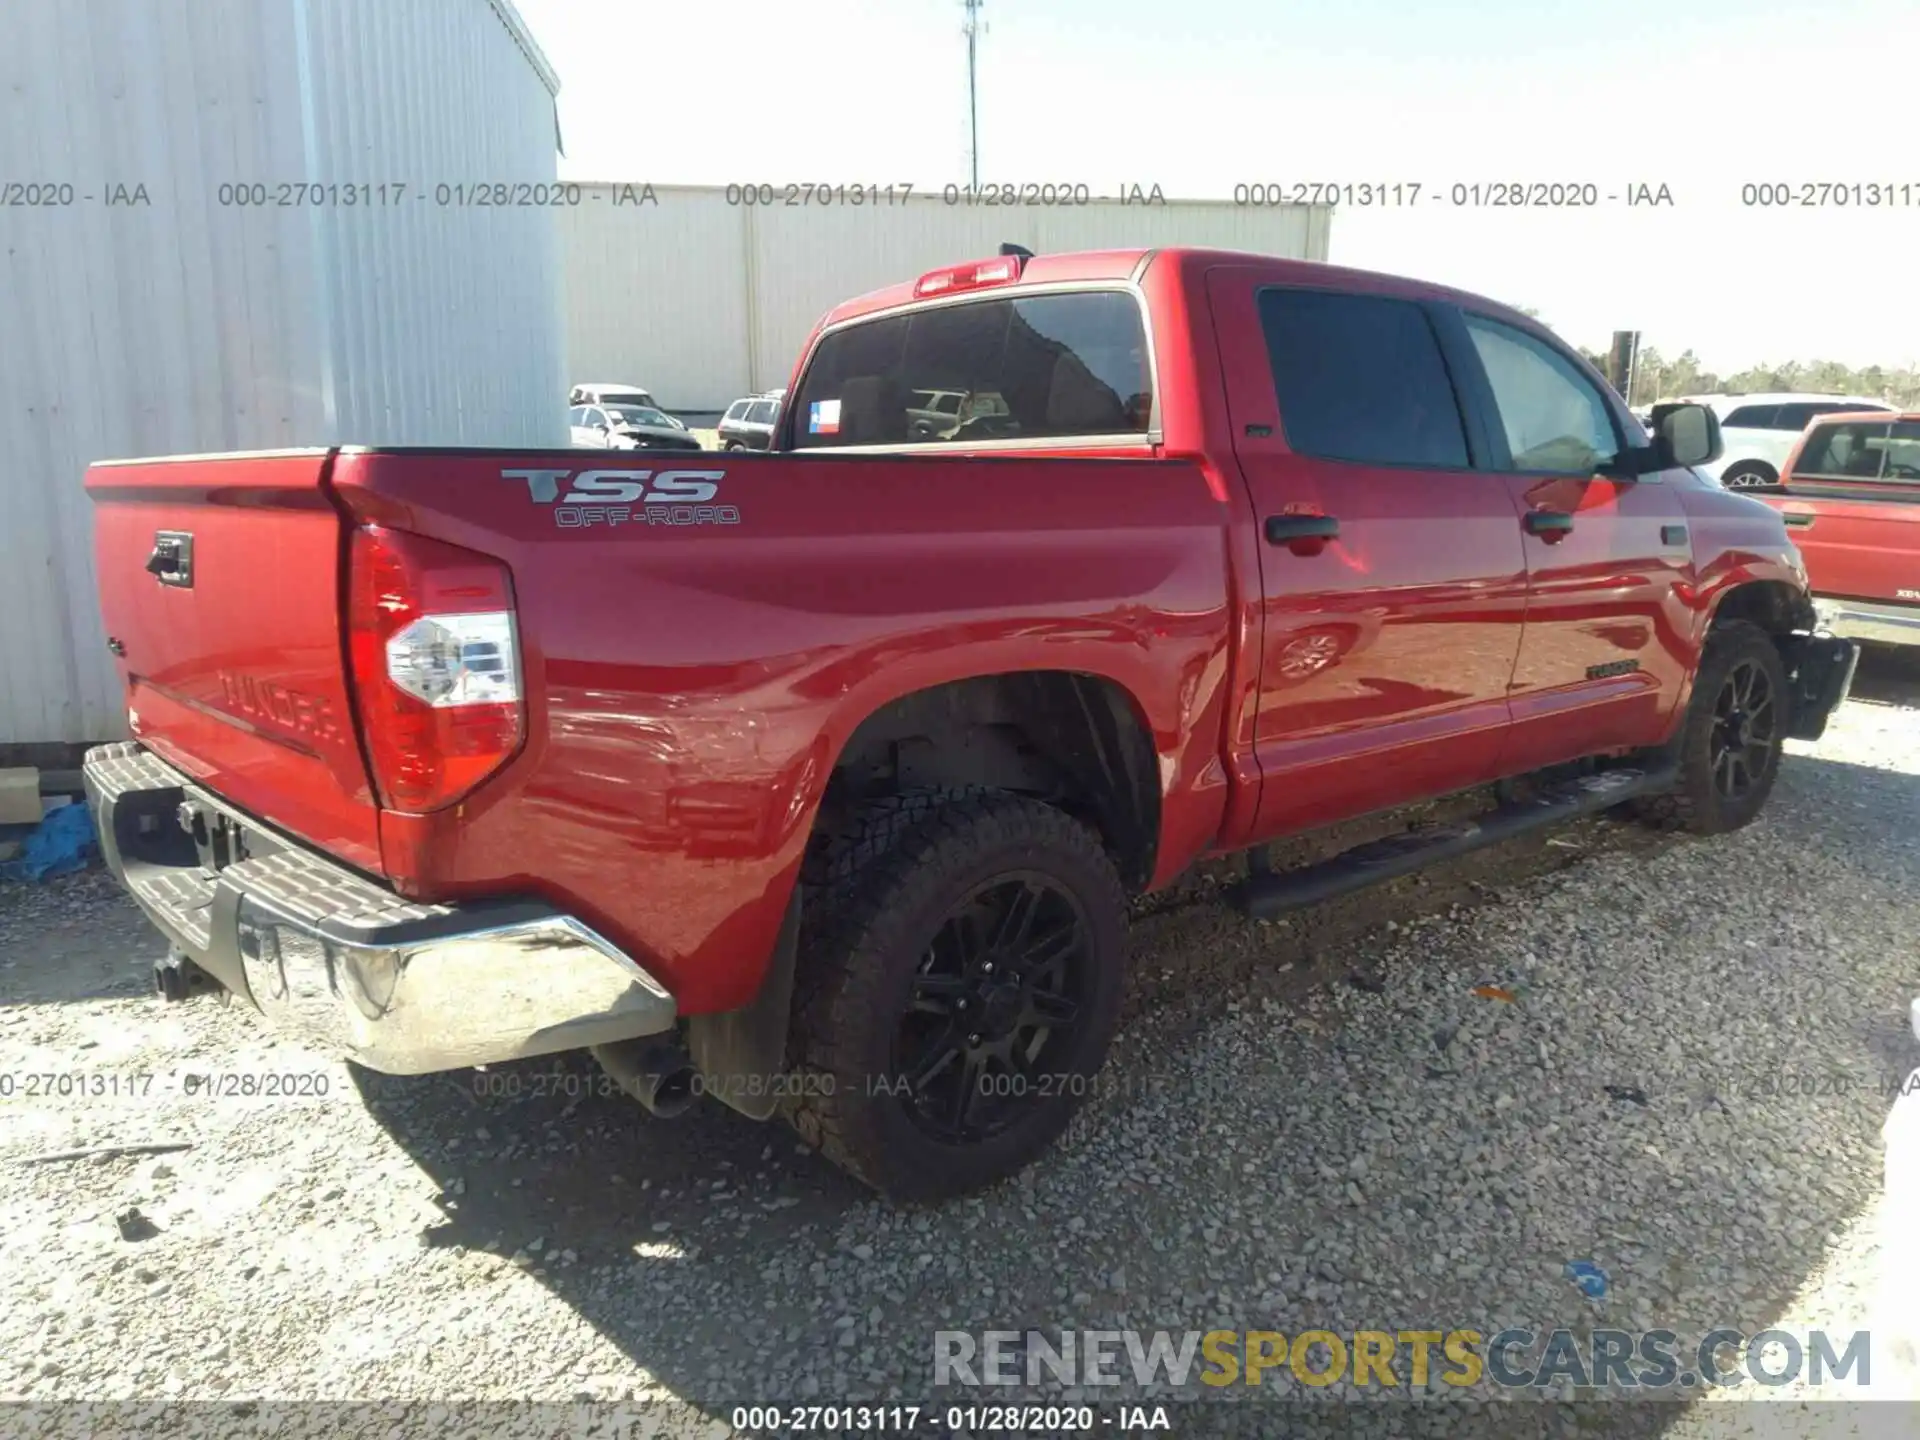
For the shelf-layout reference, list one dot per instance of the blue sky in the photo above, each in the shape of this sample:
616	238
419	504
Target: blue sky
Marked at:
1199	95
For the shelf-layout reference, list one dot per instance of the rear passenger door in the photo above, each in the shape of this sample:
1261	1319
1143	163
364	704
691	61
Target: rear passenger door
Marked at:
1608	634
1393	582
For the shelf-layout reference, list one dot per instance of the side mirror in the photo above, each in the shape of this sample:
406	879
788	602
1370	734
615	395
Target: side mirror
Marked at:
1686	435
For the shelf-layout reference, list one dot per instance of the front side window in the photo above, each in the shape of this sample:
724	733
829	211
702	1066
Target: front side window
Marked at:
1750	417
1851	450
1554	419
1361	378
1903	451
1035	367
577	415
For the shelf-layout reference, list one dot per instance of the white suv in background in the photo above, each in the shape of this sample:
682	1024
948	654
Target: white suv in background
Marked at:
1759	431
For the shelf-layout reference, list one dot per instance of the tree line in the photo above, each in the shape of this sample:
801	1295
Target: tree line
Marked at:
1655	377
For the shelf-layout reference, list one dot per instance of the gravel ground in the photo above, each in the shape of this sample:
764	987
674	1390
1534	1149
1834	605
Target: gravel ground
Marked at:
1314	1124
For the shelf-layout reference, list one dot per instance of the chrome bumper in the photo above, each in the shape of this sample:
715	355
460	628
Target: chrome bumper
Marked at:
343	964
1883	624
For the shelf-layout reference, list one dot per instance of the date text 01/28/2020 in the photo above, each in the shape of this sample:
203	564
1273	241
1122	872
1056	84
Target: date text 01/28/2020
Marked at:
961	1419
987	194
1486	194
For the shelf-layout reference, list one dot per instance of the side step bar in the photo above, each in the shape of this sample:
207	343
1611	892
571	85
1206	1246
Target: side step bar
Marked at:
1266	895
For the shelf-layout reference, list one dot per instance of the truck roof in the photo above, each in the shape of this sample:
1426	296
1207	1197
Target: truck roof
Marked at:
1128	264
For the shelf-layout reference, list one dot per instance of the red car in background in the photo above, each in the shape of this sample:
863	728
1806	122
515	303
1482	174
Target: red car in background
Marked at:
1850	496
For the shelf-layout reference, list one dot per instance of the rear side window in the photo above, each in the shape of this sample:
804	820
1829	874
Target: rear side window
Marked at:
760	413
1360	378
1795	417
1751	417
1854	450
735	411
1038	367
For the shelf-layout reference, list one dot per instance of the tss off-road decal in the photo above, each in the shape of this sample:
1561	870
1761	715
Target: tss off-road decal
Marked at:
628	497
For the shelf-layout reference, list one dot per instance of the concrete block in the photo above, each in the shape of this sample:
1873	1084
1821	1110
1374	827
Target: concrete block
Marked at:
20	796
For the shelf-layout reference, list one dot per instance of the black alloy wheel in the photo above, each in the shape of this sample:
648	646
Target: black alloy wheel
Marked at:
1746	730
1002	986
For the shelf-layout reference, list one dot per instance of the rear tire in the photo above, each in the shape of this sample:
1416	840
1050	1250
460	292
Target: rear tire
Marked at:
959	981
1729	744
1750	475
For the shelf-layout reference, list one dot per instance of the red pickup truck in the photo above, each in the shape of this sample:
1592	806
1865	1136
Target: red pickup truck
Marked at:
819	781
1851	499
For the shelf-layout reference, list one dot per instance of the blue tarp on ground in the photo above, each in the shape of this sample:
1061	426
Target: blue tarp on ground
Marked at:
60	844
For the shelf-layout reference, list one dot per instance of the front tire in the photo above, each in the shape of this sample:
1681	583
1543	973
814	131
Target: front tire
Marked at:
960	979
1729	745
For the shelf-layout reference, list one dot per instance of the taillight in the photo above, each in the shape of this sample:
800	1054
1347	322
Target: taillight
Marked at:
436	666
974	275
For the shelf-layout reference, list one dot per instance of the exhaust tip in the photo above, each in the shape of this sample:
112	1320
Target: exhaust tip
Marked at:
659	1074
672	1094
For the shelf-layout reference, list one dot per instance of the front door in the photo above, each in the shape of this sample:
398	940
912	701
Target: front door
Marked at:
1609	555
1392	569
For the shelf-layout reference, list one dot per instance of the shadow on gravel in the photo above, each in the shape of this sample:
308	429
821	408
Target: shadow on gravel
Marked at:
1888	675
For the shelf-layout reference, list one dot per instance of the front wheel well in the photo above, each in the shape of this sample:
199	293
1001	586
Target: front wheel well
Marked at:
1773	605
1074	740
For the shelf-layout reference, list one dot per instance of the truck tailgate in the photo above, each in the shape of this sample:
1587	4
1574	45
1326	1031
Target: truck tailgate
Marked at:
221	586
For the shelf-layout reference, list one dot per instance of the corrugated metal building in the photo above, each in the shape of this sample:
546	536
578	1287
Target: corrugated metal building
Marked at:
168	286
702	301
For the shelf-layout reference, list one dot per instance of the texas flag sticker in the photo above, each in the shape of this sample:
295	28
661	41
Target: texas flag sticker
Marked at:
823	417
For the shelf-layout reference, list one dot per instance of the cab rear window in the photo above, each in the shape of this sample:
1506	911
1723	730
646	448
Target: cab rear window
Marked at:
1039	367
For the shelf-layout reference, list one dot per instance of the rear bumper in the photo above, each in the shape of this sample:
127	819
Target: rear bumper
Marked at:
340	962
1882	623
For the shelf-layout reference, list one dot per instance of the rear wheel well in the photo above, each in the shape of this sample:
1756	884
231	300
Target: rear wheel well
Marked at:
1073	740
1775	606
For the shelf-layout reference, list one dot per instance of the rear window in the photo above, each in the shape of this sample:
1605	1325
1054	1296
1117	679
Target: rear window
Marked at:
1861	450
1039	367
1360	377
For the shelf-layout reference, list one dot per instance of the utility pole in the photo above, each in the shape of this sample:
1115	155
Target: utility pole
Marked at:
973	29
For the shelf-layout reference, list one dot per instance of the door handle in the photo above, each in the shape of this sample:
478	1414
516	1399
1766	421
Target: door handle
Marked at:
1801	518
1285	529
1550	525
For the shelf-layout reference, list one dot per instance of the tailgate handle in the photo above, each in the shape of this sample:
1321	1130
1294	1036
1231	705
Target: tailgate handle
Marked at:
171	562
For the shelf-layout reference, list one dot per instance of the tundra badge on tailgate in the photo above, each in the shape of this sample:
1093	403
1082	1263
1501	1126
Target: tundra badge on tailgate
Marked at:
610	497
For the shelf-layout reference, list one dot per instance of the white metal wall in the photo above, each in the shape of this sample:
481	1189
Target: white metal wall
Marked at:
191	323
702	301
